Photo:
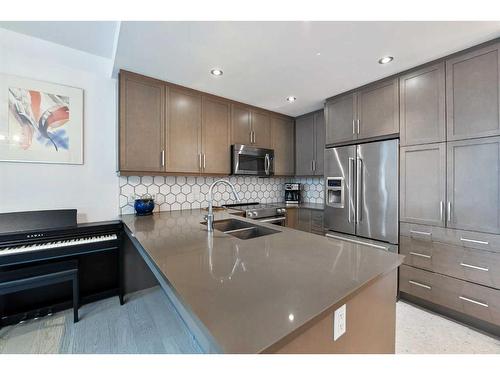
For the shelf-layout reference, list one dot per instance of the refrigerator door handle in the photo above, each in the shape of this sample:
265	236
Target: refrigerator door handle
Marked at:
359	183
351	186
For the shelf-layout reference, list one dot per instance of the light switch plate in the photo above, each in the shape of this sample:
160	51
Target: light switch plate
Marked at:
339	322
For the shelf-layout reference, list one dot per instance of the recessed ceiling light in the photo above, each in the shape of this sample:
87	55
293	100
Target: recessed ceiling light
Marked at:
318	53
216	72
386	60
291	99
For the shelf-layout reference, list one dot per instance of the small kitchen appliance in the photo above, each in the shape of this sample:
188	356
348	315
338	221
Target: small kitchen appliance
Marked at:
292	193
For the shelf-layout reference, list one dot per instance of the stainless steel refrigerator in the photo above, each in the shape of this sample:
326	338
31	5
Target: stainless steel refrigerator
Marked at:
361	190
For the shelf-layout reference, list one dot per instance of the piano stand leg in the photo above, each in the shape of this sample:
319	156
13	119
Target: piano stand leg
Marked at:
76	298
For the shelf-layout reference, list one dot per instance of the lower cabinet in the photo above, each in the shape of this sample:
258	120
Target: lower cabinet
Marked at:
305	219
468	298
458	270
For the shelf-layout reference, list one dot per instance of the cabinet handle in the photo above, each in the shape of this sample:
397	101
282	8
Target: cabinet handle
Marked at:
358	121
253	136
474	241
314	165
449	211
199	160
421	255
353	126
419	284
441	210
473	301
162	158
421	233
474	267
204	161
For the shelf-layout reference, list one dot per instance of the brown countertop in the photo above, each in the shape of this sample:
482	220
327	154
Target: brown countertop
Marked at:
249	294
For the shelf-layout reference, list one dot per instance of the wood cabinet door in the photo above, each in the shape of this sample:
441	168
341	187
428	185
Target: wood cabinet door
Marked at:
378	110
215	133
319	142
241	129
283	134
292	217
423	184
142	123
422	110
261	126
304	220
341	117
304	145
473	184
183	131
472	94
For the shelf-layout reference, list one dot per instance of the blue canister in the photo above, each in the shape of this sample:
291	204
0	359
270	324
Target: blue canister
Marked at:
144	205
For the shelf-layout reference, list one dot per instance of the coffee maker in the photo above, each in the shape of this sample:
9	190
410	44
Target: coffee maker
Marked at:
292	193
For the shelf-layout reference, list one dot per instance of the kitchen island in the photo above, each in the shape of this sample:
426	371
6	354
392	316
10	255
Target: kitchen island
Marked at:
271	294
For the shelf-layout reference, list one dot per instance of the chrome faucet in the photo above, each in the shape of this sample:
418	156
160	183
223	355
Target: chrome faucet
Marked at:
210	217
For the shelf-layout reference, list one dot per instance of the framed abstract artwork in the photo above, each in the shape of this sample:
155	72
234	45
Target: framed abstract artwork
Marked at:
40	122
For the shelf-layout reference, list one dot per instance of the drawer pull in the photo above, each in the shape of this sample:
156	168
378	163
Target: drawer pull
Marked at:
474	267
419	284
421	255
473	301
421	233
474	241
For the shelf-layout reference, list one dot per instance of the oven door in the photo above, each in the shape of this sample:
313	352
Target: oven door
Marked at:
253	161
276	220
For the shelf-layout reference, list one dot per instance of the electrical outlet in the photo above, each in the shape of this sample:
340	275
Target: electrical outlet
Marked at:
339	322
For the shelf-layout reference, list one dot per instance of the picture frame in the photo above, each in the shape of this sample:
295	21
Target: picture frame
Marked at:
40	122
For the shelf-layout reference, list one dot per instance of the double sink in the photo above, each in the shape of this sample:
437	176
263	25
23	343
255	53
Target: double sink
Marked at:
242	229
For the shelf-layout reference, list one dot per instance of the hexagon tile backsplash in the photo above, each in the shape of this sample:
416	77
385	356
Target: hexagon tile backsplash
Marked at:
184	193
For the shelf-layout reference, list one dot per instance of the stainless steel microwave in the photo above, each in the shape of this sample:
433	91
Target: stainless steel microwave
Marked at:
254	161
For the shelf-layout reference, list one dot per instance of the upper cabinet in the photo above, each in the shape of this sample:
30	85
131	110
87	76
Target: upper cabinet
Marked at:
215	131
319	142
183	131
472	94
371	112
473	184
341	119
250	127
378	110
423	184
171	129
310	144
422	107
283	143
261	127
142	124
241	126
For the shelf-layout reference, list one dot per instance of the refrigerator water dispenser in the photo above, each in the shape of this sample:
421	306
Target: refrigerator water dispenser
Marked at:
335	192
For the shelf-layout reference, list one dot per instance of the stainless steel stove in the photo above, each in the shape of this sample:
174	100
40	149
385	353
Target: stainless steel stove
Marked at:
274	213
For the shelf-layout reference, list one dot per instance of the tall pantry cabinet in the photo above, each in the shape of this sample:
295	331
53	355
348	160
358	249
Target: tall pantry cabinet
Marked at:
450	186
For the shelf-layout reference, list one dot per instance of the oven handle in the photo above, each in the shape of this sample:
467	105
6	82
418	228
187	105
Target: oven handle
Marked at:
273	220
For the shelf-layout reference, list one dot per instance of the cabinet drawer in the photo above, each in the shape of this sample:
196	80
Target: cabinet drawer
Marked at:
465	238
468	298
482	267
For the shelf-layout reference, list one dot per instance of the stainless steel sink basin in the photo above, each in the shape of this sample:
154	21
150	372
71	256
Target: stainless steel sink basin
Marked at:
242	229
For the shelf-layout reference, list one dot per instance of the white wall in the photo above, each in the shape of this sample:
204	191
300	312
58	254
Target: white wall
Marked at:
93	187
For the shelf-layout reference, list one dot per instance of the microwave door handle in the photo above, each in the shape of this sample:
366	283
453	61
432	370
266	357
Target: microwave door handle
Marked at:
266	164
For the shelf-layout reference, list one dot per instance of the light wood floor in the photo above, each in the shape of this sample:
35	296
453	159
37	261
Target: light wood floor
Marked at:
147	323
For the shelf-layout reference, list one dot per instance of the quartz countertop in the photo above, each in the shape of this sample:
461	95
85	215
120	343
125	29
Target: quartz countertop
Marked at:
250	294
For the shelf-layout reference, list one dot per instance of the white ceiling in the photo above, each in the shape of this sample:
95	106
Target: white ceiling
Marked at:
95	37
264	62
